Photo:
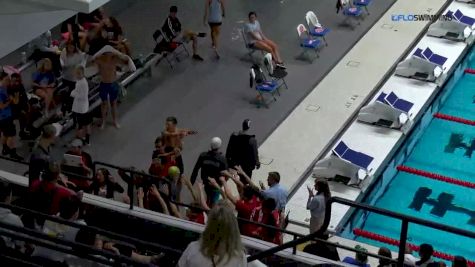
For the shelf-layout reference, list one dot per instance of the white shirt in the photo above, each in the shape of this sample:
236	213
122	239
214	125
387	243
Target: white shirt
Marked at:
409	259
192	257
81	96
253	30
6	216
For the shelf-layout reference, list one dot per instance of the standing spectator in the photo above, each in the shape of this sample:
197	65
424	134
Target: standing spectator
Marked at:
80	107
269	215
258	40
459	261
104	184
172	33
385	252
173	137
211	163
360	259
6	216
43	47
425	252
19	104
70	58
40	155
109	88
220	244
317	203
7	127
242	150
44	82
214	14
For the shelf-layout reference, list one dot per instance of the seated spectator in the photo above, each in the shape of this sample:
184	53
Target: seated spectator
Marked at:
322	249
258	40
425	252
385	252
84	170
360	259
115	36
19	103
459	261
80	106
269	215
46	195
44	82
43	47
6	216
173	35
219	245
104	184
409	259
70	58
317	203
7	126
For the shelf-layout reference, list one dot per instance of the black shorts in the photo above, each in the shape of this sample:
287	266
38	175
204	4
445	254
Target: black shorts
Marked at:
212	24
7	127
82	120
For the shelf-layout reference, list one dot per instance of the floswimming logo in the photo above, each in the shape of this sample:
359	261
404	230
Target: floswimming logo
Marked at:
420	17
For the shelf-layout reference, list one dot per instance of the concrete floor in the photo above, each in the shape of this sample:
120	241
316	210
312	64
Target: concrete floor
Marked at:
213	97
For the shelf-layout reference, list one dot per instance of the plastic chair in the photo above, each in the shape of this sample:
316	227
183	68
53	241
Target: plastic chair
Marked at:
263	86
168	48
306	42
363	4
277	74
315	28
250	48
349	11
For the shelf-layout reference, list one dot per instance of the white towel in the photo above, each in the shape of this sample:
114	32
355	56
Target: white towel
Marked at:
110	49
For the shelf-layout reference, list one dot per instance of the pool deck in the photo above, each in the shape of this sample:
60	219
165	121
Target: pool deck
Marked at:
292	149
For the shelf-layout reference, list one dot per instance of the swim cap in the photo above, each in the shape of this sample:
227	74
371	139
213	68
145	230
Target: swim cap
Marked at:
173	171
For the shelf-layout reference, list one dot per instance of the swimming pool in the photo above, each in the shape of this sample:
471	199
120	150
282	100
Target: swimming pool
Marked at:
437	146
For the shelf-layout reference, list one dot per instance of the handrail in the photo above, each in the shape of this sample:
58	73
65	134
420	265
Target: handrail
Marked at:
61	245
91	228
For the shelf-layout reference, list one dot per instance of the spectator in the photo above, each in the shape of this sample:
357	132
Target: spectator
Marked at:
43	47
385	252
258	40
162	162
219	245
6	216
269	215
40	156
173	137
109	88
317	205
44	82
173	35
242	150
211	163
275	190
104	184
96	39
70	58
84	170
360	259
409	259
214	14
19	103
73	32
322	249
459	261
115	36
80	107
91	20
425	252
7	126
174	182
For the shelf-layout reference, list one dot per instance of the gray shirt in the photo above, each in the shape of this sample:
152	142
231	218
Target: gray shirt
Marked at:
252	29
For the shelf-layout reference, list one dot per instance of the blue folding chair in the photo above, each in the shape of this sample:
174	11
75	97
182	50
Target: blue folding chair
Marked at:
459	16
363	4
357	158
315	28
430	56
398	103
307	43
263	86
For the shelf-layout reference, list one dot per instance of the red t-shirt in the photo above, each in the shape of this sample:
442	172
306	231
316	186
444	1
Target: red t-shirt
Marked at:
197	217
244	209
59	193
263	232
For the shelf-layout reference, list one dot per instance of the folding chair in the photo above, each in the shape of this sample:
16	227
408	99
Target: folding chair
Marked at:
430	56
277	74
262	85
349	11
168	48
306	42
363	4
359	159
398	103
250	48
315	28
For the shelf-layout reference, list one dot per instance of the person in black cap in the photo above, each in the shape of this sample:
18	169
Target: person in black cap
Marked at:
242	150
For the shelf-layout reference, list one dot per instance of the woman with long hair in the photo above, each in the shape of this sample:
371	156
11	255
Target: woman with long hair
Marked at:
220	244
104	184
317	204
44	82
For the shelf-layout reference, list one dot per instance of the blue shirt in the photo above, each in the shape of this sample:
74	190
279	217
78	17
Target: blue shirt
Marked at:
5	113
43	79
279	194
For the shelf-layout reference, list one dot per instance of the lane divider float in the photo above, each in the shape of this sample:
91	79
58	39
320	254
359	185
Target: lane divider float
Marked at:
446	117
435	176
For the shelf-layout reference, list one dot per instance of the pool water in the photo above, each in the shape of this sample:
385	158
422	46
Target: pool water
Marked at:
437	146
